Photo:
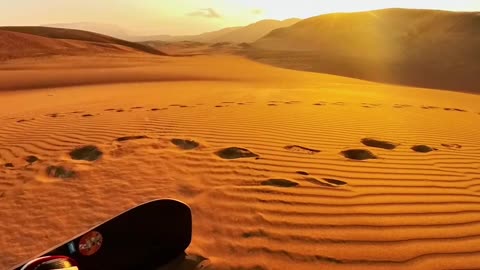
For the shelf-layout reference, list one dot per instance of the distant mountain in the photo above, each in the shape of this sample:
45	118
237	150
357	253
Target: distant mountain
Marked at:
215	35
239	34
150	38
205	37
100	28
243	34
427	48
24	41
253	32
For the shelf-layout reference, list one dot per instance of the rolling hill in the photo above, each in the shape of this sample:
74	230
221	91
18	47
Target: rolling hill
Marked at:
86	38
20	45
100	28
427	48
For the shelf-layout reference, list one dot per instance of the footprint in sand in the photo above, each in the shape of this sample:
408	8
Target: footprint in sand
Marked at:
423	148
370	105
136	108
255	233
454	109
130	138
157	109
9	165
272	104
302	173
31	159
120	110
60	172
53	115
87	115
279	183
110	110
218	106
88	153
301	149
185	144
379	144
25	120
178	105
430	107
235	152
401	106
319	104
328	182
452	146
358	154
335	182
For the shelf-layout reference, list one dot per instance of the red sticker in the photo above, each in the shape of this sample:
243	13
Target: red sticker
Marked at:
90	243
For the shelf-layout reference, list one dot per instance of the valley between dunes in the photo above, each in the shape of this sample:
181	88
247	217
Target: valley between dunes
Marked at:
297	201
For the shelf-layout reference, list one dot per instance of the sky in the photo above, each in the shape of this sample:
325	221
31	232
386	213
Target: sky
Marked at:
180	17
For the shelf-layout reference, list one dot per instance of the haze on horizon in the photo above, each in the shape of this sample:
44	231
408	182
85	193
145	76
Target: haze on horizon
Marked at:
192	16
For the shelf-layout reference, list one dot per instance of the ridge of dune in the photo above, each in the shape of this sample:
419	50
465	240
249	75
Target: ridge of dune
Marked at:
101	28
82	37
19	45
74	70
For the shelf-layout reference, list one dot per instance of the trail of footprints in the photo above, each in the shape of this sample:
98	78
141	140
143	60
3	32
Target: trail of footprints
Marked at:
272	103
92	153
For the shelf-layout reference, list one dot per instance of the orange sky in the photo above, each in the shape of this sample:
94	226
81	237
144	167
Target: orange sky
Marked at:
194	16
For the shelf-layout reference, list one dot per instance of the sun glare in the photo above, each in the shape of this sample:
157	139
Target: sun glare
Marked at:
306	8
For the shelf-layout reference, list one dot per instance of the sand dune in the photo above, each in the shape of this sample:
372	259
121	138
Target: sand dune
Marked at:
18	45
59	71
426	48
260	157
91	39
101	28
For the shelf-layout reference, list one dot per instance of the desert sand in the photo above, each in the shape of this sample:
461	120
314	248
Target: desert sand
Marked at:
269	165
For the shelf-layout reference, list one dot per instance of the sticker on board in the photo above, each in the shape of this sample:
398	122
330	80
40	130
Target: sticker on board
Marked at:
90	243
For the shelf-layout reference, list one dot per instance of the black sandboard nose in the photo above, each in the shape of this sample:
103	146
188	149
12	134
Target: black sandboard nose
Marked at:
148	235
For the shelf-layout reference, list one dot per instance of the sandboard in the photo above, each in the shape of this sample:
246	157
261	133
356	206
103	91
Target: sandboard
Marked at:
145	237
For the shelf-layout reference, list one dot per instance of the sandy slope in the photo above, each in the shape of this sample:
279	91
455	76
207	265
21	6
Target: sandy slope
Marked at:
383	46
404	210
80	35
19	45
